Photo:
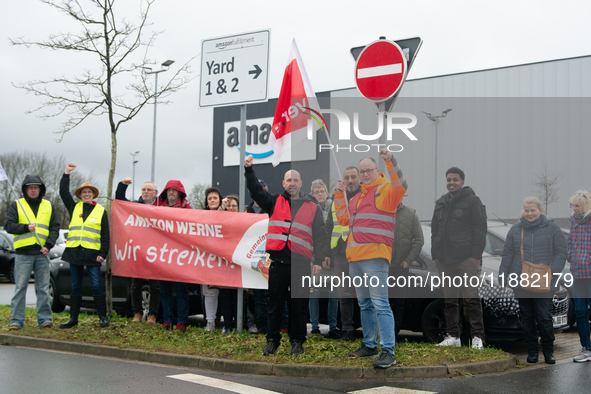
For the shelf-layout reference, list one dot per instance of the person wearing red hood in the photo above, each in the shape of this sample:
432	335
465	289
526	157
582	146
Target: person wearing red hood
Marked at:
174	196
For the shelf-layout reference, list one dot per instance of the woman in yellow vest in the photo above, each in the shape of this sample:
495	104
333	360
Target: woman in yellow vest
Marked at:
87	246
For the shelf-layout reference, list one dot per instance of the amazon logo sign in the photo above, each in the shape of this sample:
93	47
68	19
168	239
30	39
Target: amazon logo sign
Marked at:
257	142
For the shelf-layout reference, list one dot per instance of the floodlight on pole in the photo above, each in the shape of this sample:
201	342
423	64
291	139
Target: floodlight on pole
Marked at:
165	66
435	119
133	175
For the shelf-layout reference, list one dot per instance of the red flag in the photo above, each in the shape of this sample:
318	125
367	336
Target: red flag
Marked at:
291	116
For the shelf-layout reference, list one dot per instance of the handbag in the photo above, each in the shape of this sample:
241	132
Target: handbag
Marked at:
539	276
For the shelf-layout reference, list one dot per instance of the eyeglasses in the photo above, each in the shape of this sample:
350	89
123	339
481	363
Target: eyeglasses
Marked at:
367	172
147	190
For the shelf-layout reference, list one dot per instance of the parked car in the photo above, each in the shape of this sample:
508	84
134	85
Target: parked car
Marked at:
7	255
60	287
423	308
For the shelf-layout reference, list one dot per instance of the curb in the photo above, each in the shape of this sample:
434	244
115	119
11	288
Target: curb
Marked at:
255	368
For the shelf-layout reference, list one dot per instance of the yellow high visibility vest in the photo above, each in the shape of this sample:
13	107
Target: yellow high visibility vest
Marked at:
41	221
86	233
338	231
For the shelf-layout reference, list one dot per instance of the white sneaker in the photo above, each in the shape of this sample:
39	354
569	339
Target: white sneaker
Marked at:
252	330
210	326
450	341
476	343
584	356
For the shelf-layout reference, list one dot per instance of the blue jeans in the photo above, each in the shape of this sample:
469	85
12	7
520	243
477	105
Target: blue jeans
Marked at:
23	265
370	280
182	302
94	273
582	300
314	306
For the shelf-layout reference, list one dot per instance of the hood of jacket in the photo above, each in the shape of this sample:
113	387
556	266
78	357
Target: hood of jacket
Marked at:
464	192
381	180
33	180
176	185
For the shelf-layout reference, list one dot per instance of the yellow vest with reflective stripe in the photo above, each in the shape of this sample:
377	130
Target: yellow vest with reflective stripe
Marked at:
338	231
41	221
85	233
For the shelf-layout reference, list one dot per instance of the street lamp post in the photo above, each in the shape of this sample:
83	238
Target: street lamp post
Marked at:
435	119
165	66
133	175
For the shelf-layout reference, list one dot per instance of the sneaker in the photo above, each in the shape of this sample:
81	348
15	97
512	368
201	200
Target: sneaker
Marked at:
297	348
271	348
181	327
137	318
13	328
151	320
252	330
47	325
584	356
364	351
210	326
386	360
284	330
451	341
225	331
315	331
334	334
260	331
166	326
477	343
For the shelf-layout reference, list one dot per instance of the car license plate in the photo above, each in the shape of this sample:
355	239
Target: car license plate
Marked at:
560	320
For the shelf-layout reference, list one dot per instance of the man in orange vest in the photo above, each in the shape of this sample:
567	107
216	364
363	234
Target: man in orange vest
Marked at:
296	233
371	218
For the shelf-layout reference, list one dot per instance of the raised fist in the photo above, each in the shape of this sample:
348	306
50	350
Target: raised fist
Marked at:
70	167
248	161
126	181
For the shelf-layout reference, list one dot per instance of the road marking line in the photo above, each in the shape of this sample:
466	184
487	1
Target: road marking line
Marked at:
221	384
391	390
378	71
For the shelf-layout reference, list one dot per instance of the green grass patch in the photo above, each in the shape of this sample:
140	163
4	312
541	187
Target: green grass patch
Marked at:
123	333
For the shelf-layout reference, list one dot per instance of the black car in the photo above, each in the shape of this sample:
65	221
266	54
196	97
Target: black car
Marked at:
7	255
423	307
60	287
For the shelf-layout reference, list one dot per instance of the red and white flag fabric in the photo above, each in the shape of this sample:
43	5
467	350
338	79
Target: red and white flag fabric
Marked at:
291	116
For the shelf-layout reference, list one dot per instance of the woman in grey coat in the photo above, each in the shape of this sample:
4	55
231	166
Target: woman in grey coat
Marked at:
543	243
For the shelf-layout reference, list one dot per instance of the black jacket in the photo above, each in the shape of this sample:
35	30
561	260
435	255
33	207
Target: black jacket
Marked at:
458	227
12	225
80	255
267	202
120	194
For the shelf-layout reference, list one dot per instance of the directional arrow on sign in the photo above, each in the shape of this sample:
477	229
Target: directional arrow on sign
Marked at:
257	71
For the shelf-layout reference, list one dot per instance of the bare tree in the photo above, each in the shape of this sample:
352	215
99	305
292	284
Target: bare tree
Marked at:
547	187
18	164
197	195
105	91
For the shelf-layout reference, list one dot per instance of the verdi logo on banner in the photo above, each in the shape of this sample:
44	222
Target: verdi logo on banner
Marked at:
257	143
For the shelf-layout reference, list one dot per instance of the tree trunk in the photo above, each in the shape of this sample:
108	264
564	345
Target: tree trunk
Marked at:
108	276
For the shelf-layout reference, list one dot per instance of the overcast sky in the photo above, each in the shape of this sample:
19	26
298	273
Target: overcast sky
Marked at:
458	36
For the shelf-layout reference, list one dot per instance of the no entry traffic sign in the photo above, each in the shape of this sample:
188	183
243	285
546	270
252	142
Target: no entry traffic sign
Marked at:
380	70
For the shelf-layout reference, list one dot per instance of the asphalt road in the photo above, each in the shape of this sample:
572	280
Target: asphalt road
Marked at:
25	370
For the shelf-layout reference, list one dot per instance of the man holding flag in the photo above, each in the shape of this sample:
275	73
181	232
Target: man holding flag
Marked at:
34	225
296	233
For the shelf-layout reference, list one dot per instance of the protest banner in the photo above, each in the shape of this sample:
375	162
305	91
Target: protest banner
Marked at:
192	246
